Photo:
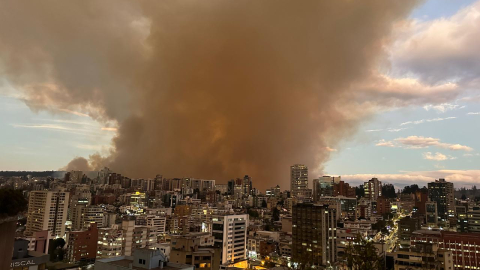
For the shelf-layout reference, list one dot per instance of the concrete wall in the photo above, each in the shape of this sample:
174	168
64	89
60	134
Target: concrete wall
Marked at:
7	237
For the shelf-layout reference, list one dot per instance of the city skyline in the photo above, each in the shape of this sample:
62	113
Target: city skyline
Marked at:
423	128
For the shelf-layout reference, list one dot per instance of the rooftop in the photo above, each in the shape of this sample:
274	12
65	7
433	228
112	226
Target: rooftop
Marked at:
126	263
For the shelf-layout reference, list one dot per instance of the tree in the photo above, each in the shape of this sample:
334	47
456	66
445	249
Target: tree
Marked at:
276	214
12	203
388	190
253	214
264	204
359	191
363	256
56	249
410	189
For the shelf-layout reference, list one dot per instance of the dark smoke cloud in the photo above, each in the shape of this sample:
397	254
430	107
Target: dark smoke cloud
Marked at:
209	89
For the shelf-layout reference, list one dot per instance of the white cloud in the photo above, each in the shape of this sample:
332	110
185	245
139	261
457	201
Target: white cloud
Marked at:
437	156
395	129
385	91
426	121
374	130
473	113
424	142
442	107
441	50
418	142
385	143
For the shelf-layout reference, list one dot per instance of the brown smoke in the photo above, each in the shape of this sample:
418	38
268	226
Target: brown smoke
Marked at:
77	164
208	89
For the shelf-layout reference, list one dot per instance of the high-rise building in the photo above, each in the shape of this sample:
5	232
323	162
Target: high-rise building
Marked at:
314	235
230	232
324	186
442	193
203	185
298	179
373	189
346	207
247	185
47	210
82	245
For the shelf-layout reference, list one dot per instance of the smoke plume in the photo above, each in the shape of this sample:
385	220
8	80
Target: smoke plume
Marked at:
208	89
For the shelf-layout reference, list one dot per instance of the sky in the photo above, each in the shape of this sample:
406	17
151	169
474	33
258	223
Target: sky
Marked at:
454	122
433	136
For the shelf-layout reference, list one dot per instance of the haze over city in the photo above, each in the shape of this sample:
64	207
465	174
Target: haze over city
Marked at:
240	135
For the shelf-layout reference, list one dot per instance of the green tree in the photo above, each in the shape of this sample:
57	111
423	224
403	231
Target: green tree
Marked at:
363	256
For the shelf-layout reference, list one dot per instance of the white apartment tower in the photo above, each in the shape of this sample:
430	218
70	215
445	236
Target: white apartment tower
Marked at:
230	232
47	210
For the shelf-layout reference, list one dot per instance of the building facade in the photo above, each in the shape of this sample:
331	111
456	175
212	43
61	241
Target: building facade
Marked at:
442	192
298	179
47	210
230	232
82	245
373	189
314	235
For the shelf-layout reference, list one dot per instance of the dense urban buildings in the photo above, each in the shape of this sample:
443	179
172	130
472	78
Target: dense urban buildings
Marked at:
114	222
